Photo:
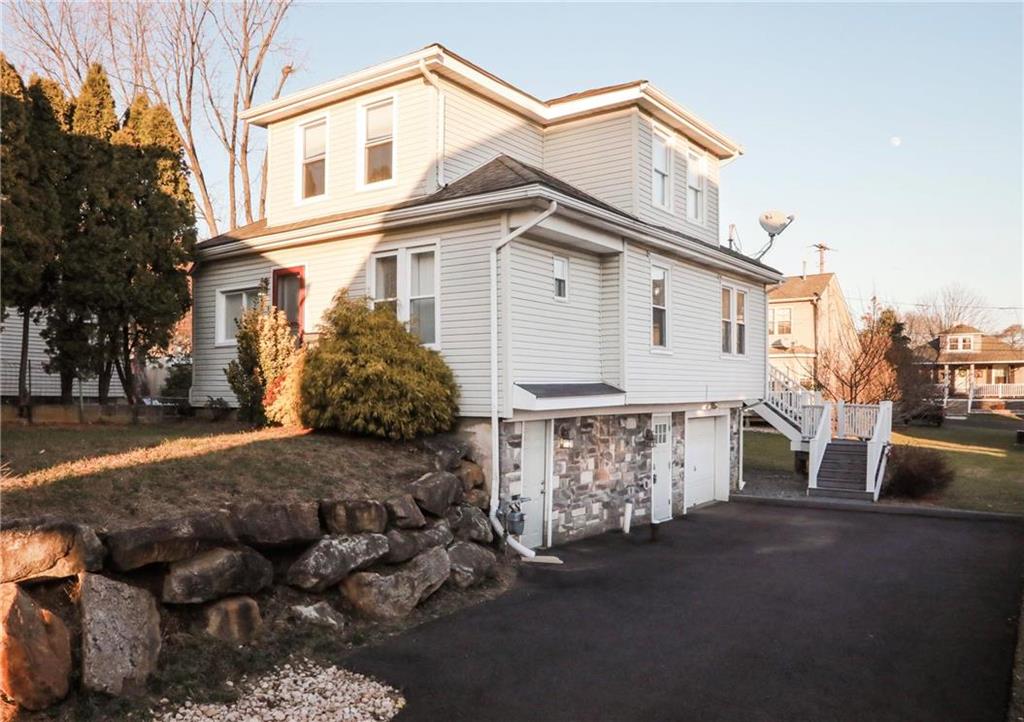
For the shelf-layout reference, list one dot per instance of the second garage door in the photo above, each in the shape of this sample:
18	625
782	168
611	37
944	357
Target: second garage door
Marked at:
700	461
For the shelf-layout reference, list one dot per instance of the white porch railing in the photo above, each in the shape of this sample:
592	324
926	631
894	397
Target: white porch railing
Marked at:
999	391
878	448
855	420
818	444
788	397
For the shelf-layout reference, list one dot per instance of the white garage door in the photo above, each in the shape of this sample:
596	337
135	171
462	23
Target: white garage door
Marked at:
700	461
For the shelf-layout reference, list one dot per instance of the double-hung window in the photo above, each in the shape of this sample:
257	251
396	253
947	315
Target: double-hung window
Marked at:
313	137
560	273
659	307
378	142
405	281
695	186
780	321
230	307
734	321
661	170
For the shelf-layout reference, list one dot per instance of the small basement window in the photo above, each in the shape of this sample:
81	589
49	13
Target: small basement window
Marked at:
560	272
314	159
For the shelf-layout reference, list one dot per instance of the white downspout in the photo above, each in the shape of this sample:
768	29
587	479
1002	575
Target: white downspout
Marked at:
495	460
439	129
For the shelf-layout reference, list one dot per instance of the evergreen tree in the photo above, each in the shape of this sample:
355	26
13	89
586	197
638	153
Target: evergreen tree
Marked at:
32	172
83	279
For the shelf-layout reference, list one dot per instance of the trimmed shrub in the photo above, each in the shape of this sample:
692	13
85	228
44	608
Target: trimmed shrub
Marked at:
218	407
282	402
266	348
368	375
915	472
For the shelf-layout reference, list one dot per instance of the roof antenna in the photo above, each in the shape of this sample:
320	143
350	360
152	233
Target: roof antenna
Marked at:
773	223
821	255
734	238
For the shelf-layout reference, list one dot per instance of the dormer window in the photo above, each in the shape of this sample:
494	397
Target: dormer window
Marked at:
661	166
959	343
314	158
378	142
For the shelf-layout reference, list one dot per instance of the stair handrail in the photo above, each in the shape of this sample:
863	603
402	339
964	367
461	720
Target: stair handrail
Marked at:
786	395
878	445
818	444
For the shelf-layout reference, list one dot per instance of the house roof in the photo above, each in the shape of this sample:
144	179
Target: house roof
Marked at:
993	350
794	287
436	58
501	173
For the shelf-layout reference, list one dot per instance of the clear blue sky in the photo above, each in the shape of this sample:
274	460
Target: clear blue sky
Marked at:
815	93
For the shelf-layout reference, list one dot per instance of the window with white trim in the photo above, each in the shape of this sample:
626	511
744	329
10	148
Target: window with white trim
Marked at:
659	307
734	321
405	281
230	307
560	273
780	321
661	169
378	142
314	159
959	343
695	172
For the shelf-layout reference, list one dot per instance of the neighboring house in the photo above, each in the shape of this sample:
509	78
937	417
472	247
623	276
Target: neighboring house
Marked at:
44	386
561	255
963	357
808	317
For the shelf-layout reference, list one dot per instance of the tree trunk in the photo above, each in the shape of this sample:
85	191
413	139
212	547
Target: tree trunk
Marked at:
67	387
24	397
103	382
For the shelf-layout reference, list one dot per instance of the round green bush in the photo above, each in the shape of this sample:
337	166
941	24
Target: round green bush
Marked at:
368	375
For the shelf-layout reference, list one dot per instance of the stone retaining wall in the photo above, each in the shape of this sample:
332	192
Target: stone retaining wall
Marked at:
377	559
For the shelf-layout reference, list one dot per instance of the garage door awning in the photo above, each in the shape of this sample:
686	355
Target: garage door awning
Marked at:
541	397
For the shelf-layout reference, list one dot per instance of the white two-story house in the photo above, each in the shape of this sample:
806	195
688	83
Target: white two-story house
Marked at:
561	255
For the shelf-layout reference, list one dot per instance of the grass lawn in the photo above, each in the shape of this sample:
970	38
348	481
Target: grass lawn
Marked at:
119	475
989	467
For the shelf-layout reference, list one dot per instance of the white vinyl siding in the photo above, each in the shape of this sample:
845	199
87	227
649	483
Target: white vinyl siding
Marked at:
596	155
477	130
695	371
333	265
551	341
415	148
676	218
43	384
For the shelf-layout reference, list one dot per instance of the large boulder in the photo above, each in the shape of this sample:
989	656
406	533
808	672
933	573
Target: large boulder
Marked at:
335	557
471	563
469	523
471	474
35	651
276	525
404	544
354	516
120	635
216	573
320	614
478	498
168	540
234	619
404	513
394	595
47	548
436	491
448	451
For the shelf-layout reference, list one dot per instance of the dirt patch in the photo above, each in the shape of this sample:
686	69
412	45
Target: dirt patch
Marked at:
114	477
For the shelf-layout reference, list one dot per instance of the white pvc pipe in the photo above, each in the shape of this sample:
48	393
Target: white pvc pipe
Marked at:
495	460
627	517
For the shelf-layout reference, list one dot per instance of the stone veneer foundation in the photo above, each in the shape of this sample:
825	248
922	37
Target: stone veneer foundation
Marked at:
600	463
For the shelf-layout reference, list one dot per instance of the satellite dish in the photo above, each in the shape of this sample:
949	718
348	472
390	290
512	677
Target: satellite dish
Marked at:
774	223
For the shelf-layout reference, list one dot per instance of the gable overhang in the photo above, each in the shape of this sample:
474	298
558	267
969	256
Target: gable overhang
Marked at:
438	59
534	195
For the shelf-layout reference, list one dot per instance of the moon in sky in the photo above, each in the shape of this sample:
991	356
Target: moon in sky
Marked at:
895	141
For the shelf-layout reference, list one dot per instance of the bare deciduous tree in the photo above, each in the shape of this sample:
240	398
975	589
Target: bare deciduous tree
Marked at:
952	305
202	59
860	371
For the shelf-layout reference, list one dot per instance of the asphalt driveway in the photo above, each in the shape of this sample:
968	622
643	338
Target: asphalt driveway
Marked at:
738	612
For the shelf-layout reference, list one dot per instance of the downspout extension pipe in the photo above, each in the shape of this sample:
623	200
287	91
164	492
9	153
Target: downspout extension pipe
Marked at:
495	460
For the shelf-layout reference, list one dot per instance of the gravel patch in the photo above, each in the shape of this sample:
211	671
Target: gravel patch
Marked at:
300	692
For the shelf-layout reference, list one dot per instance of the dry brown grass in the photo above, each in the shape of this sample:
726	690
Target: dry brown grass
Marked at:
116	476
